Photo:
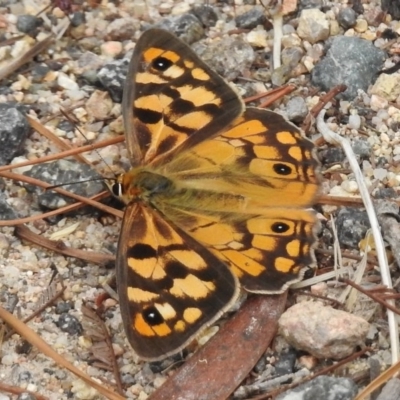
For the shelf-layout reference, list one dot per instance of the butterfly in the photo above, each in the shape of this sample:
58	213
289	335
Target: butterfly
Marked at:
216	199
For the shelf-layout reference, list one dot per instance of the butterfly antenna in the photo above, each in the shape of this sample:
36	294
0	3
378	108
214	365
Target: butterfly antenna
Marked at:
73	183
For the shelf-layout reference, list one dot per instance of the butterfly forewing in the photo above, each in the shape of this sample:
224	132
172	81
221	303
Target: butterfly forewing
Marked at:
261	157
173	100
169	285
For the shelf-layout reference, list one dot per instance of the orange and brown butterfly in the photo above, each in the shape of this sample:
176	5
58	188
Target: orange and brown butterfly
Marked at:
216	198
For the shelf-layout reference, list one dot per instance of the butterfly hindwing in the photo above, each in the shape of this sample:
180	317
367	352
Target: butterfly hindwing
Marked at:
169	285
172	99
267	252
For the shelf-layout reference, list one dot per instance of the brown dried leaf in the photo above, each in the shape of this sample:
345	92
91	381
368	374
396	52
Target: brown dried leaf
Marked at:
102	349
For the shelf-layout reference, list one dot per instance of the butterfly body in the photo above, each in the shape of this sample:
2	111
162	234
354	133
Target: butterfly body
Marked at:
217	195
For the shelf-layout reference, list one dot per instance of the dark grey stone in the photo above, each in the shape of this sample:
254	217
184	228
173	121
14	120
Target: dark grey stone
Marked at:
14	129
6	211
39	71
66	126
260	366
78	18
332	155
24	376
128	379
323	387
392	7
205	14
291	56
63	307
10	300
70	324
63	171
186	26
250	19
352	225
357	6
296	109
285	363
112	78
351	61
28	24
362	148
391	390
228	56
307	4
385	193
347	17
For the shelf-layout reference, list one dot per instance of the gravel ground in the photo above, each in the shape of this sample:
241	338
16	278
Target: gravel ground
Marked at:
325	43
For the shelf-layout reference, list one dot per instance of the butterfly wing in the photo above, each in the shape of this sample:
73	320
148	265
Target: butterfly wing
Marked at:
172	99
267	252
245	194
170	287
261	158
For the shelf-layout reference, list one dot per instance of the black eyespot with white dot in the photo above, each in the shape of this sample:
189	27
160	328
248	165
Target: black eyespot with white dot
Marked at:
280	227
282	169
161	63
152	316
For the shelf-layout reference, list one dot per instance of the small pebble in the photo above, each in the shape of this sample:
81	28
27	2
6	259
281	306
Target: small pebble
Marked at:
66	82
361	25
347	17
308	362
257	38
321	330
251	18
313	25
111	49
70	324
296	109
28	23
380	173
354	121
378	103
319	289
387	86
350	186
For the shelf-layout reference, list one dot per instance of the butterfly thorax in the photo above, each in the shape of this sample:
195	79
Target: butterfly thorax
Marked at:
165	193
141	184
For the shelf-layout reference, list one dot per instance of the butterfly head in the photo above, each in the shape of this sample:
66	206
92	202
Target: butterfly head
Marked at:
139	184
